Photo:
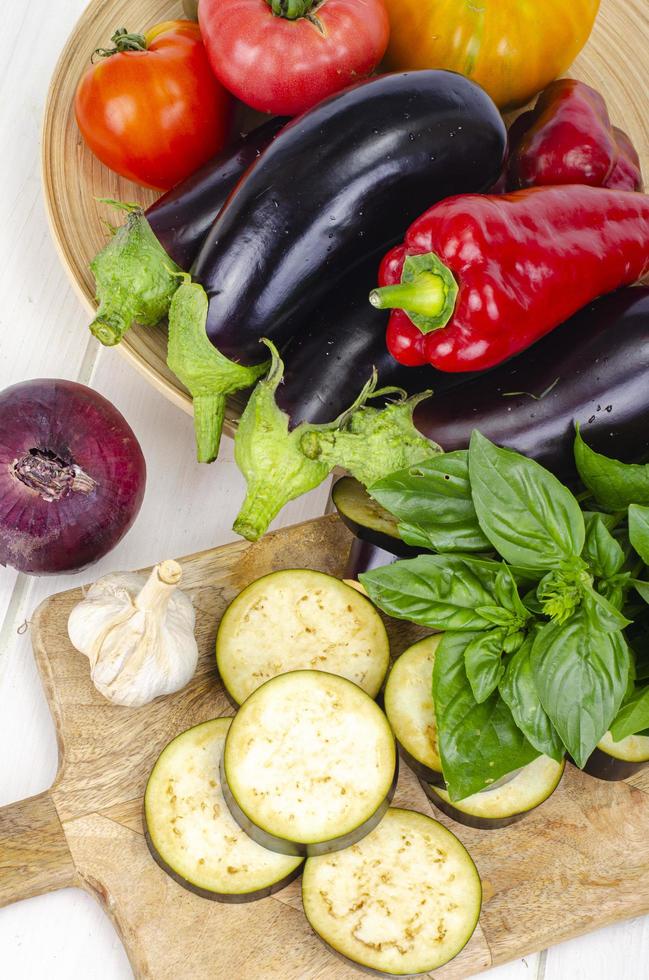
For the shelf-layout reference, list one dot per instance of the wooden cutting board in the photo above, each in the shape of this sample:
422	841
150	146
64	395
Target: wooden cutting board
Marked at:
578	862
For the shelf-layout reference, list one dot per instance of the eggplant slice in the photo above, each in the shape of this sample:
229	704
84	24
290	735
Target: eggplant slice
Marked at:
409	706
299	619
190	831
367	520
310	763
507	801
614	761
403	901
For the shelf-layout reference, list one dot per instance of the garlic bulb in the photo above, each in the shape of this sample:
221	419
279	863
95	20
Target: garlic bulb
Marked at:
137	633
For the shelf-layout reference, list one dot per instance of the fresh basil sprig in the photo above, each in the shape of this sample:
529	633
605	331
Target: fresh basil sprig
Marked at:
581	676
613	484
479	743
531	519
432	501
518	690
633	717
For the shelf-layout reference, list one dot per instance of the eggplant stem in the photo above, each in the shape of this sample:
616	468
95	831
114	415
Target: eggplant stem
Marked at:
209	412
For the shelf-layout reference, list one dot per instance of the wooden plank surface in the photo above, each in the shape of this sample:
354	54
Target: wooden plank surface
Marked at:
579	861
66	935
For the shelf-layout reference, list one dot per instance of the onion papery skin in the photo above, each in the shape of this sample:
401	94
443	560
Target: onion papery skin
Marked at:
78	433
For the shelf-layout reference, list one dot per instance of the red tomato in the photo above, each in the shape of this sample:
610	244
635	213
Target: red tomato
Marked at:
151	109
284	66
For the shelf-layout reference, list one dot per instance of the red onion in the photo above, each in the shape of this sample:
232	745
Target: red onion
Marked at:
72	476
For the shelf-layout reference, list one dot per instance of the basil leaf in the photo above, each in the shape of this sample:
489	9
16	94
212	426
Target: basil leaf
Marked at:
639	530
613	484
438	591
531	519
642	588
518	690
580	674
507	593
602	614
483	660
633	717
432	501
479	743
602	552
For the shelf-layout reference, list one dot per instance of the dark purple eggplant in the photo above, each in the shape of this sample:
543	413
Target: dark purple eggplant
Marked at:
363	557
592	370
150	250
339	183
182	217
614	761
370	523
329	361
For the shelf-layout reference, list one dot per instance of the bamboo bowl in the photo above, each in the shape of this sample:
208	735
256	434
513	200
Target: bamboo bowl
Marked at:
615	61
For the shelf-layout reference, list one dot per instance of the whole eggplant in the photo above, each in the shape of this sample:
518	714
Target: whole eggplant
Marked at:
328	362
338	183
594	369
151	248
181	218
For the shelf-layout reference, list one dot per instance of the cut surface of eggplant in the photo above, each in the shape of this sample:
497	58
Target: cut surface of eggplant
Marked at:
367	519
299	619
310	763
506	802
403	901
614	761
409	706
189	828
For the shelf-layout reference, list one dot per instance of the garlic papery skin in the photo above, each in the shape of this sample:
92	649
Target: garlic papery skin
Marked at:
137	633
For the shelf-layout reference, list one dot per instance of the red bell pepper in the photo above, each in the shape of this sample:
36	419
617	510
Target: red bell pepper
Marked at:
481	277
567	138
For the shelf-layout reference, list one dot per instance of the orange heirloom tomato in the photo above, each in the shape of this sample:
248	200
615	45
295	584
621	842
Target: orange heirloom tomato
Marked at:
150	108
513	48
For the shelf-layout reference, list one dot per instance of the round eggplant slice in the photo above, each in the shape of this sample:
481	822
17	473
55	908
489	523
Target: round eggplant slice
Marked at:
299	619
366	519
507	801
614	761
310	763
403	901
408	701
190	831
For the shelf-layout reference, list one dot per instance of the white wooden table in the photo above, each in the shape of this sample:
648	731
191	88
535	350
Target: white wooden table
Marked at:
65	936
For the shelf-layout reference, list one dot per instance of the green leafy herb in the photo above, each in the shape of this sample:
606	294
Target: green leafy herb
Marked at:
432	500
479	743
633	717
639	530
518	690
602	552
442	592
483	659
602	614
613	484
531	519
581	675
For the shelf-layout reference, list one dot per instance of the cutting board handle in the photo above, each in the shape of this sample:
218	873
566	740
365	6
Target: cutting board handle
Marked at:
34	854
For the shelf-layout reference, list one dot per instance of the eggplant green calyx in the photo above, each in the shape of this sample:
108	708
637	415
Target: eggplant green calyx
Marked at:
123	40
376	441
269	456
206	373
135	279
427	292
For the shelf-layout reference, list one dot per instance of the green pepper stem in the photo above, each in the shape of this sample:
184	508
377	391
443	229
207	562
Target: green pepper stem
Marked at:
424	295
427	292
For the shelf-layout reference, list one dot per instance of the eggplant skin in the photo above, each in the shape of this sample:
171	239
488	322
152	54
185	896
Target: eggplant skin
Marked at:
468	819
364	556
593	369
340	183
333	353
601	765
181	218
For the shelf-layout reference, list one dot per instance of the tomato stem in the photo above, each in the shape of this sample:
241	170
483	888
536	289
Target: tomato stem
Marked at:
292	9
123	41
